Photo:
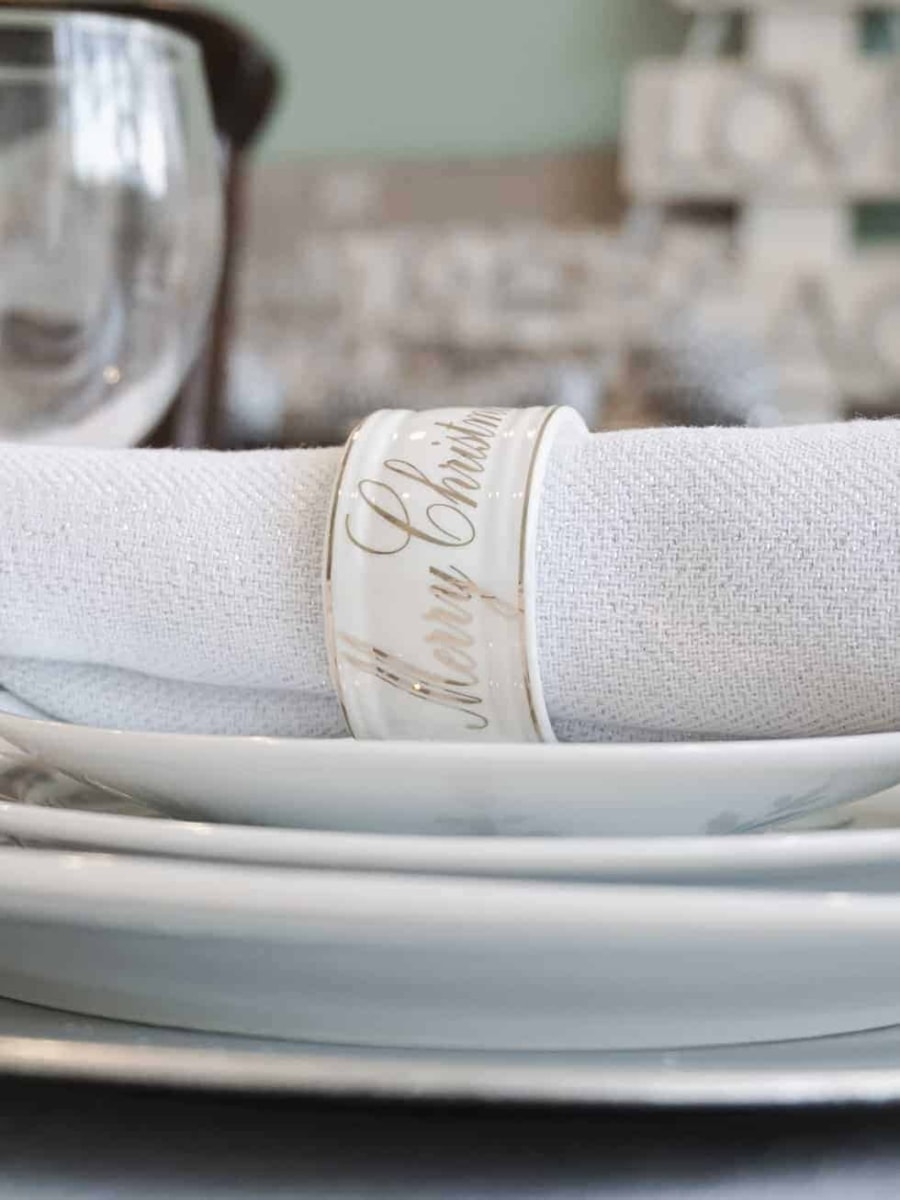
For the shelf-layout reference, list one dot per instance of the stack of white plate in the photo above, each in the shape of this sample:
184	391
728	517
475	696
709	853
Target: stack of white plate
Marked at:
534	900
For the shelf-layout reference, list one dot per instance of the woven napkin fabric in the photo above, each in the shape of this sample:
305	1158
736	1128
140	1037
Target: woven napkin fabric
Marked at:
692	583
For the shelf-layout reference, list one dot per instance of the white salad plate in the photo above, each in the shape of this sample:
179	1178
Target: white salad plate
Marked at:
48	811
431	962
610	790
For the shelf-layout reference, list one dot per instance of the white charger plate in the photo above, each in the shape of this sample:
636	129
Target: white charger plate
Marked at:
48	811
504	790
416	962
861	1068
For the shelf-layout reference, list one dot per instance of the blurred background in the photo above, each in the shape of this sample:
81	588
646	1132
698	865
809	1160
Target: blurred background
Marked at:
653	210
461	202
416	78
461	138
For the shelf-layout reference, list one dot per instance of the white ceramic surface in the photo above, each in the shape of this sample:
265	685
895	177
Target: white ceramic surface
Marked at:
429	573
861	1068
859	861
441	788
442	963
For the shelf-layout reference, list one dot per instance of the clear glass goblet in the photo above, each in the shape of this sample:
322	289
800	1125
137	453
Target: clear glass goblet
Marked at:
110	224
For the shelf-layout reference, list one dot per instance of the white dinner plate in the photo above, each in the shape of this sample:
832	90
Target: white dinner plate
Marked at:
440	788
425	961
48	810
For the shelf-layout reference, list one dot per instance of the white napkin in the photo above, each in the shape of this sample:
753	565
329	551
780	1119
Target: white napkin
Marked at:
692	584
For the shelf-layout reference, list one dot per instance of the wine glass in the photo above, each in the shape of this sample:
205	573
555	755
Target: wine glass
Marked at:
110	224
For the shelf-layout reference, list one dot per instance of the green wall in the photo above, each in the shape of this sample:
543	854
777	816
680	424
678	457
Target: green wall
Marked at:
447	77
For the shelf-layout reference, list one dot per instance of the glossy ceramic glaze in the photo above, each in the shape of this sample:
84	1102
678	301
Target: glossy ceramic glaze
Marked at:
679	789
370	960
859	861
859	1068
429	591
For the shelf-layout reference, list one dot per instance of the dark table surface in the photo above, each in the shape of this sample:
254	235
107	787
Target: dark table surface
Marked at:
73	1140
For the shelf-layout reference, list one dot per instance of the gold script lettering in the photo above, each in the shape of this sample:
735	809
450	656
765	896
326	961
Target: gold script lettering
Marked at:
414	513
413	681
378	496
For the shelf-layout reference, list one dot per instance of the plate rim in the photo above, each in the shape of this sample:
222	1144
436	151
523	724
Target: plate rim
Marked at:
10	722
293	847
116	891
157	1057
441	788
380	929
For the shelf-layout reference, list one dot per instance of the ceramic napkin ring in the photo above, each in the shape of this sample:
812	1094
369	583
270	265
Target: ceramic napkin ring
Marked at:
429	573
